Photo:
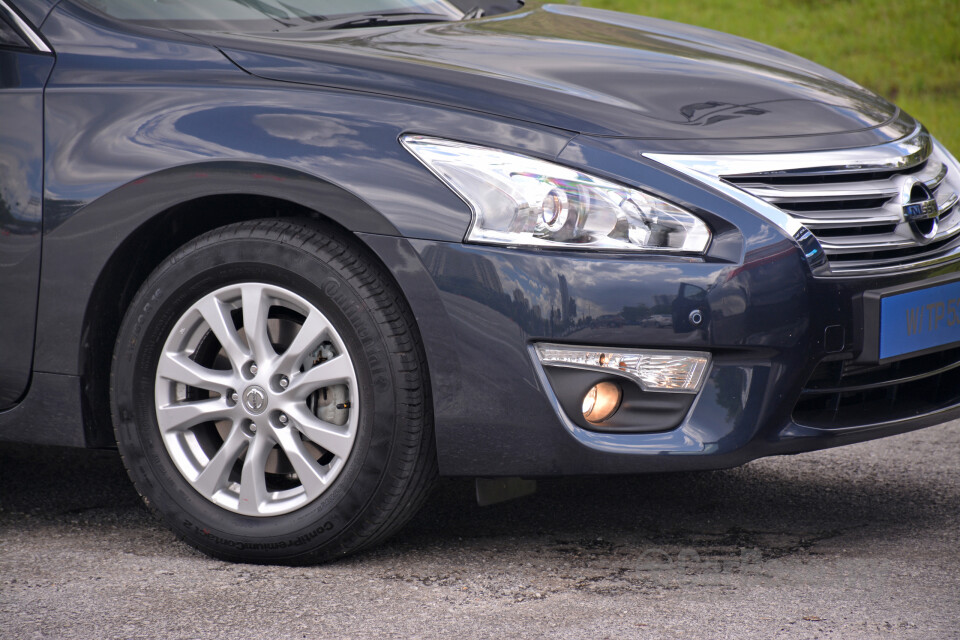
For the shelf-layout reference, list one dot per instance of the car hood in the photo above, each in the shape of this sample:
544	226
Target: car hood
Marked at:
589	71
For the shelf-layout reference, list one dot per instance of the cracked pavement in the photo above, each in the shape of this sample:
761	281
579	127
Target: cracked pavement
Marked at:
856	542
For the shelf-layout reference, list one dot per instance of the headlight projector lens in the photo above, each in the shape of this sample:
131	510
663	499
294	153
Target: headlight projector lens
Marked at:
554	210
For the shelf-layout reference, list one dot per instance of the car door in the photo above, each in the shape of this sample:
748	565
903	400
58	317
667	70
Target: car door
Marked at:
25	64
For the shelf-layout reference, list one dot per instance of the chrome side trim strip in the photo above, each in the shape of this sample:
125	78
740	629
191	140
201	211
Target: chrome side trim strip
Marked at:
25	29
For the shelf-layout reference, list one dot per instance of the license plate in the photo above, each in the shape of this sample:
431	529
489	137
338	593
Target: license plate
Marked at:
919	320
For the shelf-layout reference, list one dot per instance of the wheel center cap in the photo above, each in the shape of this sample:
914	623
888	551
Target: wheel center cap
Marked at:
255	400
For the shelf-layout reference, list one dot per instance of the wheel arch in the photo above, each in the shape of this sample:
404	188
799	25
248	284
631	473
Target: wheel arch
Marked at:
185	203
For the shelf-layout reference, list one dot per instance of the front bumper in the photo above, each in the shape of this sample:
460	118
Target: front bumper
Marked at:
769	326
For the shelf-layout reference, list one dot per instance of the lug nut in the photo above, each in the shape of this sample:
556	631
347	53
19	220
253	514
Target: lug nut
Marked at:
253	428
284	382
235	396
283	418
253	369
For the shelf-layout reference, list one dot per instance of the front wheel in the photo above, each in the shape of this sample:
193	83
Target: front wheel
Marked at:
270	397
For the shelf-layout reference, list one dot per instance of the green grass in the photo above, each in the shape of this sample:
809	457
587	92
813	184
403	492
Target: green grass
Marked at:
908	52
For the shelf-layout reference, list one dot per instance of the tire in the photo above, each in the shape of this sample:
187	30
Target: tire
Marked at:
300	442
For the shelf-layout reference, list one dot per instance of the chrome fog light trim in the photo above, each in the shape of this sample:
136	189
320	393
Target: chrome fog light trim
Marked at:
654	370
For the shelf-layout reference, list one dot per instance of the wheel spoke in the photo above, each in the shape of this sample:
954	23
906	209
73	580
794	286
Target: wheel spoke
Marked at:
256	306
338	370
180	368
218	318
336	440
183	415
308	470
215	474
253	481
314	329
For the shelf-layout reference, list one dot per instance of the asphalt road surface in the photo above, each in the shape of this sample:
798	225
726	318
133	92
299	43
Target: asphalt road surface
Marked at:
857	542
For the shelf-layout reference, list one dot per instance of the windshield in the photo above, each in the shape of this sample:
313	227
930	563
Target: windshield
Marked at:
262	15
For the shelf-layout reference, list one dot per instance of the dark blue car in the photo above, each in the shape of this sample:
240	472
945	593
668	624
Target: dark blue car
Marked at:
296	258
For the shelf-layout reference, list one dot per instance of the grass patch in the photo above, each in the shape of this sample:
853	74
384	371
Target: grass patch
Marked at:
908	52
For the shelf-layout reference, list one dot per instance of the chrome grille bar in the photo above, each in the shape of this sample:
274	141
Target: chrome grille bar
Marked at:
821	193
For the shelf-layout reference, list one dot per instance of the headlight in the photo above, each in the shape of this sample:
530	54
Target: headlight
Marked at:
518	200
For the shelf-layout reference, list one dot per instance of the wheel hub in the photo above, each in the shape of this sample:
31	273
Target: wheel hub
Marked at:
255	400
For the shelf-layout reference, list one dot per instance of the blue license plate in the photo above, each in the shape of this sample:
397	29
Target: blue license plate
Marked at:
919	320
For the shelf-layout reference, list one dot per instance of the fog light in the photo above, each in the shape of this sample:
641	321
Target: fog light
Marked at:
601	402
675	371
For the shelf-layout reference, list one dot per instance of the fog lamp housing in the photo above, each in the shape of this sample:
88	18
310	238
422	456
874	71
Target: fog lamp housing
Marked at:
653	370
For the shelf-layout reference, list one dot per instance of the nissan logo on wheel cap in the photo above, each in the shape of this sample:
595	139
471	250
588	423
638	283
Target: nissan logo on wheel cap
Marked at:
255	400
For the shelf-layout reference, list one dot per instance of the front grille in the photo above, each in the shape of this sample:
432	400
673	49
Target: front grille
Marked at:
858	216
842	394
873	210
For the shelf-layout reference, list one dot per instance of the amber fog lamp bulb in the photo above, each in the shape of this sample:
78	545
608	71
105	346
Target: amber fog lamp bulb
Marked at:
601	402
